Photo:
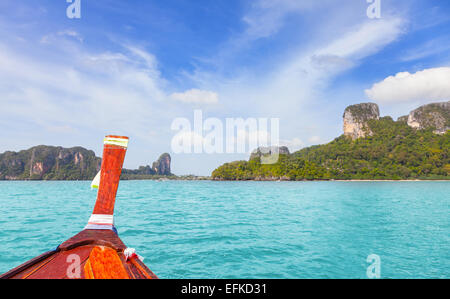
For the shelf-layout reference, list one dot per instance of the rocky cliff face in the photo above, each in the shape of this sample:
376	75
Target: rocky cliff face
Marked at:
162	165
356	118
159	167
58	163
49	163
266	151
435	116
403	119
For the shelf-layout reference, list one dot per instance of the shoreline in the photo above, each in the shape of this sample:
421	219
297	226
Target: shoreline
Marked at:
352	180
213	180
440	180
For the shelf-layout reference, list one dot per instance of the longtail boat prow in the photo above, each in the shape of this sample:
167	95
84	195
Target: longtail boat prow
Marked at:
97	251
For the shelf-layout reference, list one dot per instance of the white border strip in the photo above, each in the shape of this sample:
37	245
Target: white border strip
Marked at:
116	141
101	219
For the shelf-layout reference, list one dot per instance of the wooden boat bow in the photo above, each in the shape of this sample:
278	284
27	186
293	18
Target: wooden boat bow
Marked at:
96	252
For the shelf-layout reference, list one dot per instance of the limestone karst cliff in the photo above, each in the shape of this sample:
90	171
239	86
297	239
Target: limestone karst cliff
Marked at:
356	118
379	148
58	163
162	165
403	119
260	151
49	163
435	116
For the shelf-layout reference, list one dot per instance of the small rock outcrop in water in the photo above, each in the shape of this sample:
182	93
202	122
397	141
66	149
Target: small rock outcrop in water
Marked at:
436	116
263	151
356	118
162	165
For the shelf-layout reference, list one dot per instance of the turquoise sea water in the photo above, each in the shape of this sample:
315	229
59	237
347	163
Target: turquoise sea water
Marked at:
202	229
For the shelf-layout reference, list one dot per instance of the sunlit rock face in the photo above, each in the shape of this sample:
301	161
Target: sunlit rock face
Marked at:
356	118
49	163
403	119
162	165
267	151
435	116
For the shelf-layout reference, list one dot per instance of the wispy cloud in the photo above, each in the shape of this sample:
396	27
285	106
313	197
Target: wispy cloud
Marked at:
266	17
292	90
66	33
277	59
105	91
196	96
432	47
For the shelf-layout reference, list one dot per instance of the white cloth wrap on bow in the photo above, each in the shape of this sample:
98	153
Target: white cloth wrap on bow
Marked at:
131	253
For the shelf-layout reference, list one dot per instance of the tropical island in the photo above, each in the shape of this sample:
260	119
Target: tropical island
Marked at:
57	163
416	146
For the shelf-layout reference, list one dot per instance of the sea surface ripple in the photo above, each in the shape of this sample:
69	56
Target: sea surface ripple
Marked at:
206	229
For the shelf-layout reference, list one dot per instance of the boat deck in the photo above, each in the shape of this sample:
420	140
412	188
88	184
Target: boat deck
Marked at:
62	262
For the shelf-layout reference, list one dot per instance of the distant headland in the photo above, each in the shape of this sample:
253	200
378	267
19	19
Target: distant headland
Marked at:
416	146
57	163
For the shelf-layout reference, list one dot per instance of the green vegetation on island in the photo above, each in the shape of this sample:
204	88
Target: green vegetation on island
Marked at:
49	163
77	163
390	150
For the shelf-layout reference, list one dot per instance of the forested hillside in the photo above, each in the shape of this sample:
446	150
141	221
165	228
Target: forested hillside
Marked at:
394	150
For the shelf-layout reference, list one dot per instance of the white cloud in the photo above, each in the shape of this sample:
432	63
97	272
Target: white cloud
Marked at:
123	89
149	59
314	139
292	83
365	39
115	92
336	54
426	85
302	77
293	144
71	33
187	142
266	17
433	47
196	96
65	33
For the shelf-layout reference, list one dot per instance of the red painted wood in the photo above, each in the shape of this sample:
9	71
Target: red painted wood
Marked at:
112	162
54	264
29	266
97	237
58	266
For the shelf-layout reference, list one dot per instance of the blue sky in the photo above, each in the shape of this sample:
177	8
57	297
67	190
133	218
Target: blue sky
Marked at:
119	68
